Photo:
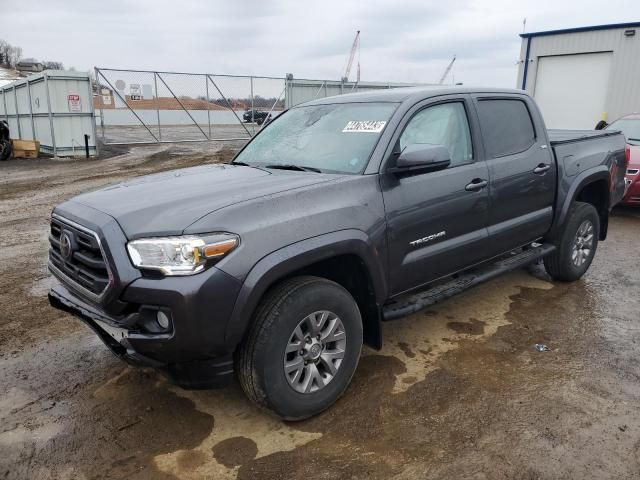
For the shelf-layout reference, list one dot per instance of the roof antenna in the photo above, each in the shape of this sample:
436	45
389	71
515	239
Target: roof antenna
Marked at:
524	24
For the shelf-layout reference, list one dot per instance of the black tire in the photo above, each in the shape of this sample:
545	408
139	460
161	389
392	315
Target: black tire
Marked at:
260	358
5	150
560	265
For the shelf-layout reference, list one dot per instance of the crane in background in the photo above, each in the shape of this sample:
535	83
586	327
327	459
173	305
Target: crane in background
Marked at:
447	70
352	54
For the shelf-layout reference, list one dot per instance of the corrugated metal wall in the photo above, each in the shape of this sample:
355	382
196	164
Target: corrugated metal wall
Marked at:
623	91
303	90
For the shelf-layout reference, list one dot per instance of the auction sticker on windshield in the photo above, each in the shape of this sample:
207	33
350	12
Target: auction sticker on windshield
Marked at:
367	126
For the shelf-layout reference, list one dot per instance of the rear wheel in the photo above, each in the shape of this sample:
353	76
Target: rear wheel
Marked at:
302	349
576	245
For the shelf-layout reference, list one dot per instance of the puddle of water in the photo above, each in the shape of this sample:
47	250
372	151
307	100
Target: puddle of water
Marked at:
420	339
248	432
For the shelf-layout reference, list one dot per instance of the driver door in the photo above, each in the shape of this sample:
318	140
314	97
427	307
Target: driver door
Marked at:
437	221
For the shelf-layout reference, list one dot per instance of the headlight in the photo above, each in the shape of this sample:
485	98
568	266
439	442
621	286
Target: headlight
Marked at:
180	255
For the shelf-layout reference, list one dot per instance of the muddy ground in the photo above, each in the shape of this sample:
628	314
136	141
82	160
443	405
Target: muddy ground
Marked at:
458	391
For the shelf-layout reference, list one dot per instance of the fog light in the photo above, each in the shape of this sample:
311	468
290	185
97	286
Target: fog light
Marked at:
162	319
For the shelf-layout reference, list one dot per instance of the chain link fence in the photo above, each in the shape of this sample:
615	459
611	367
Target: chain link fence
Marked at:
140	107
136	106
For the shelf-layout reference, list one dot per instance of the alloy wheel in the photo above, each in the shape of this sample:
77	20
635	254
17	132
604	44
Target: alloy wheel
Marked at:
582	243
315	351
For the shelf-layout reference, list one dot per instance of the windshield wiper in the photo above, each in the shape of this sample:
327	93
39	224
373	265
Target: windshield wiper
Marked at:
244	164
291	166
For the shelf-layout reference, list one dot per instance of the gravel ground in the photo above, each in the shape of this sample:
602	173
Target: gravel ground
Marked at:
457	392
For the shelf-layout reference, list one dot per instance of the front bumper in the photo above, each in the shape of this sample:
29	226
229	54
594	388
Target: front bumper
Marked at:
193	351
196	366
114	337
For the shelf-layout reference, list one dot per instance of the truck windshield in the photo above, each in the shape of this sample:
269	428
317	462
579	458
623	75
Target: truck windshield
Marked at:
336	138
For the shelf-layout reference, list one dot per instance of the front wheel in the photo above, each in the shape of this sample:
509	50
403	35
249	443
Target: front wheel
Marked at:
302	349
576	245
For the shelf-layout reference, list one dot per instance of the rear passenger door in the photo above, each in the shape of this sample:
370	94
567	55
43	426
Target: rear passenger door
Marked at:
522	171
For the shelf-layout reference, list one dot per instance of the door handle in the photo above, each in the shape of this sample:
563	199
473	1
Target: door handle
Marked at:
476	185
543	167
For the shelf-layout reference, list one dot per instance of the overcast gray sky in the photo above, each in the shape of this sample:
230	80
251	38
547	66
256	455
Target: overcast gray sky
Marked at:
404	41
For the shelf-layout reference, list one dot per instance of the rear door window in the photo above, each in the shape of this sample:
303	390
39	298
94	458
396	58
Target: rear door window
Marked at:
506	126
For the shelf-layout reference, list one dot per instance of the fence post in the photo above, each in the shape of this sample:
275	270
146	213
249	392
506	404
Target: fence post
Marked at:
101	108
253	125
206	87
288	87
93	119
155	83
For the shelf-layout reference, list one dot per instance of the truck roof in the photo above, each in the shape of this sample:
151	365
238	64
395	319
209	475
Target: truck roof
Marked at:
398	95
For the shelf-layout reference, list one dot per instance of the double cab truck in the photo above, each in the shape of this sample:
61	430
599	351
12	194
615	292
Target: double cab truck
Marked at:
340	214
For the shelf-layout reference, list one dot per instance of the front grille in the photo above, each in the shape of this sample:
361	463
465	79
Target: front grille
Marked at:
76	254
632	171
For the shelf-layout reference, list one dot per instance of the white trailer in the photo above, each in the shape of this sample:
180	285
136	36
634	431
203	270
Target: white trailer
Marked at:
54	107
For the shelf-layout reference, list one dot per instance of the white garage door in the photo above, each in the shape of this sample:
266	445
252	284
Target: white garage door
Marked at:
571	89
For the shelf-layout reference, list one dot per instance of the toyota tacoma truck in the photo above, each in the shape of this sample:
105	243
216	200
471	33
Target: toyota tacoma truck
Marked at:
342	213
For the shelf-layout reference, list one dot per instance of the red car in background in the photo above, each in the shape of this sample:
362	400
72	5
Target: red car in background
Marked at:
630	126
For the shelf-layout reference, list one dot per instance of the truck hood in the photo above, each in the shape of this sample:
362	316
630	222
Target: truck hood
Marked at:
167	203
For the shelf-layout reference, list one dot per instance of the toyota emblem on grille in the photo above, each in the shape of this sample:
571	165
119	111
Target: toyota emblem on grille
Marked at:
66	249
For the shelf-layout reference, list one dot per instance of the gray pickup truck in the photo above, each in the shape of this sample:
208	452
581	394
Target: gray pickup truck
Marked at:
340	214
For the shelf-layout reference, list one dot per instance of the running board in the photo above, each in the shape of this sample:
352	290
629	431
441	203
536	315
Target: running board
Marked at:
413	303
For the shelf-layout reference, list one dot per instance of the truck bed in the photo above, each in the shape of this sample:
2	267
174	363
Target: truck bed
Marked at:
559	137
577	151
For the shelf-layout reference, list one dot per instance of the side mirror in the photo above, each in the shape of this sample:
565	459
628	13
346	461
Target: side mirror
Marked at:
422	156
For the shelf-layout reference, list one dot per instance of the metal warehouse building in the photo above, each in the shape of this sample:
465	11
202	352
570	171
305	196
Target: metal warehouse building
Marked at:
580	76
